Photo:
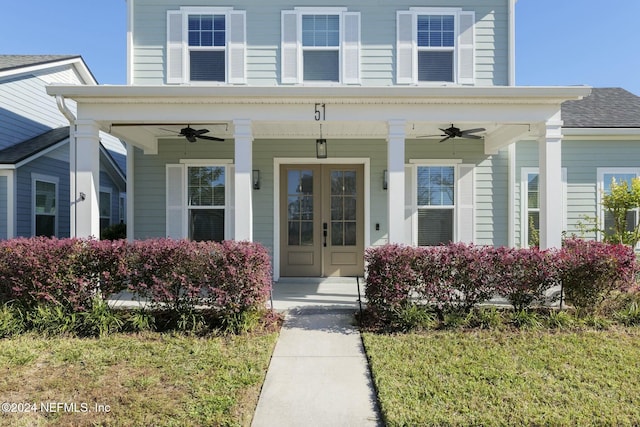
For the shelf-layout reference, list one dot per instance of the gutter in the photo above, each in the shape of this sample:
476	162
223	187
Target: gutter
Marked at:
73	159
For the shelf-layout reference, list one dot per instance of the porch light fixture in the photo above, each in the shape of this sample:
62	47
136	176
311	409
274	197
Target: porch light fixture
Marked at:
256	179
321	146
385	180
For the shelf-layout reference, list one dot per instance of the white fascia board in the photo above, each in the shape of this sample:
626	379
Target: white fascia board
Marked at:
598	133
77	62
243	94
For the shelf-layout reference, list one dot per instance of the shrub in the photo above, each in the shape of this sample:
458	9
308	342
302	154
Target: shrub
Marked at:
391	278
590	270
523	275
43	270
188	284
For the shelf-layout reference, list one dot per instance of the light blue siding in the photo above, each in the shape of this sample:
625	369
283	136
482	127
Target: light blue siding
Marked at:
582	158
378	38
491	181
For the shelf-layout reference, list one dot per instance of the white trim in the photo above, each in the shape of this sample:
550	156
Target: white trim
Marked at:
511	70
416	163
77	62
524	202
436	10
107	190
11	202
36	177
206	162
600	190
435	162
511	189
598	133
130	204
278	161
205	10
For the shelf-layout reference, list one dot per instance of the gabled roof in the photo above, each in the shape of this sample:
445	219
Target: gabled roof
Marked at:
604	108
24	150
11	65
10	62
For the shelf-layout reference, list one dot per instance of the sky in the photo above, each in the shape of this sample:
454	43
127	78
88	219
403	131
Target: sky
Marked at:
558	42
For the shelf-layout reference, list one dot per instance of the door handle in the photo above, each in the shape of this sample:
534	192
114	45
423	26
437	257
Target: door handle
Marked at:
324	234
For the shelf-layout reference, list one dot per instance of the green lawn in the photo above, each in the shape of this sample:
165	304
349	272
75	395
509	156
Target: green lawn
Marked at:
507	377
148	379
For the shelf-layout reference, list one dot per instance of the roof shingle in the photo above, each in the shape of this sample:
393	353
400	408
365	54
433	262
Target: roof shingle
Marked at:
604	108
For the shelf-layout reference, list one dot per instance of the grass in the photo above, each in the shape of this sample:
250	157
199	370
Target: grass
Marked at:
146	379
507	377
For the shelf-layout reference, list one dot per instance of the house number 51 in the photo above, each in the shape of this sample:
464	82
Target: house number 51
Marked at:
321	112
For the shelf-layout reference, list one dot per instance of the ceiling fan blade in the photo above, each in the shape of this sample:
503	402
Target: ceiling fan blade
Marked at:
444	139
200	131
210	138
473	130
471	136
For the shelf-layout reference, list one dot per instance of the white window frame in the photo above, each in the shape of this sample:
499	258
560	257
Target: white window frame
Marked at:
404	46
50	180
108	191
524	202
462	172
346	47
228	207
179	46
453	208
601	172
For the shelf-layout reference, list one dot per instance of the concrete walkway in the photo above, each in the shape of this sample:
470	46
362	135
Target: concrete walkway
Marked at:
318	375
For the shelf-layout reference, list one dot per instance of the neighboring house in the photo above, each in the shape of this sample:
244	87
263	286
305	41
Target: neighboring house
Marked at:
333	120
35	151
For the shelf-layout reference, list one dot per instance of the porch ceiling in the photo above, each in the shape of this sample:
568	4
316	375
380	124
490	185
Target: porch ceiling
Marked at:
144	115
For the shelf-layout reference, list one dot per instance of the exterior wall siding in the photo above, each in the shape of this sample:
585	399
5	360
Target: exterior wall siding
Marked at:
491	213
378	38
491	181
24	204
25	108
582	158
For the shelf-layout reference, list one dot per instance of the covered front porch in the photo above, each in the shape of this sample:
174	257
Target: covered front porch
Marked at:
267	127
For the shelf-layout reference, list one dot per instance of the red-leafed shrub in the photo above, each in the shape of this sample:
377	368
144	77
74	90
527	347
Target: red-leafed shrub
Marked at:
456	277
523	275
43	270
591	270
391	277
174	275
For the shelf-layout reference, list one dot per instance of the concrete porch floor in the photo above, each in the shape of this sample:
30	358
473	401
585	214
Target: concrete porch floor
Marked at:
327	292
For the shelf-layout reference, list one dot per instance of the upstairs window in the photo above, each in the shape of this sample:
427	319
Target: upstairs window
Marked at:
435	46
206	44
320	45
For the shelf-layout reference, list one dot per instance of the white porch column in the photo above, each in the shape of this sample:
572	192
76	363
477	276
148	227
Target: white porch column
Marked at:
243	212
395	171
85	179
550	182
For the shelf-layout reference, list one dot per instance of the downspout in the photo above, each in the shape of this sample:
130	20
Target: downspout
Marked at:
73	156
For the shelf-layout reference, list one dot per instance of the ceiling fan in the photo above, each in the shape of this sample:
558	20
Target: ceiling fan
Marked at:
454	132
192	135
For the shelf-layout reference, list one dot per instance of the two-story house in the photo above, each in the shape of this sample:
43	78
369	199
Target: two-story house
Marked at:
36	155
322	130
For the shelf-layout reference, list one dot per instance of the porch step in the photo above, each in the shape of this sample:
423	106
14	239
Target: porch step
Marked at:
333	292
